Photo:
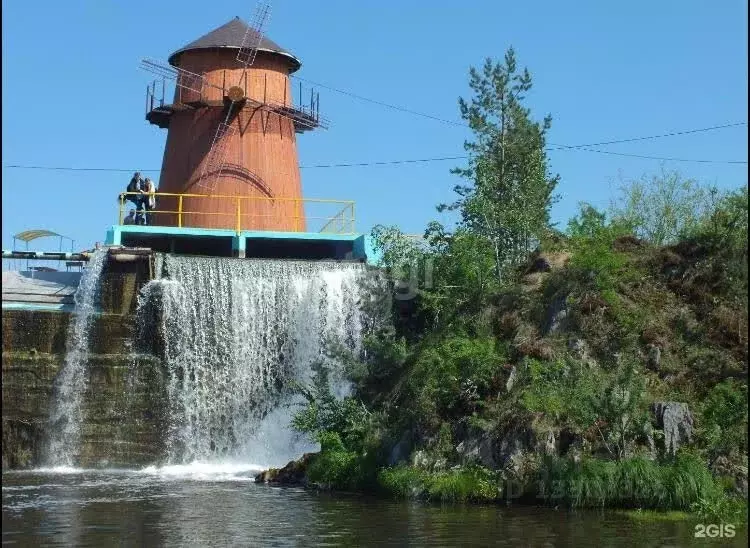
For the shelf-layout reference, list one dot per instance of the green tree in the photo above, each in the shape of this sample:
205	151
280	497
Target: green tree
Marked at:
661	208
510	193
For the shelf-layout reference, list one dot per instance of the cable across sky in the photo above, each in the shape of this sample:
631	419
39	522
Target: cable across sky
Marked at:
464	124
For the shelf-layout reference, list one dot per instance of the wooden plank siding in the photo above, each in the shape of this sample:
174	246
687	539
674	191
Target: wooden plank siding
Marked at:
265	146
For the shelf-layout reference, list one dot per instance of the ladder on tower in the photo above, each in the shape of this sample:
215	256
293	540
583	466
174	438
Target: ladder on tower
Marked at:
253	35
215	162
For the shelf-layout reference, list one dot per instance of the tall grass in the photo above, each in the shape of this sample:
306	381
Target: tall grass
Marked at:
461	485
630	483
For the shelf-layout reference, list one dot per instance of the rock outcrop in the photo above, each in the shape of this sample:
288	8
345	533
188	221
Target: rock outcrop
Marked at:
675	419
293	474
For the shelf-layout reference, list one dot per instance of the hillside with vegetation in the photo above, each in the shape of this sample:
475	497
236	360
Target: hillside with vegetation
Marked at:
600	364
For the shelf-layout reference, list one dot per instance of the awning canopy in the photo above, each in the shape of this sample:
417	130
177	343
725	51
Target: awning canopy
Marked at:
28	235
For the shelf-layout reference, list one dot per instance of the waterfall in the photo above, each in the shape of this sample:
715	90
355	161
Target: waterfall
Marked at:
236	335
66	407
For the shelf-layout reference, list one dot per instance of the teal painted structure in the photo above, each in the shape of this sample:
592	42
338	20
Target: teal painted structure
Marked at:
257	244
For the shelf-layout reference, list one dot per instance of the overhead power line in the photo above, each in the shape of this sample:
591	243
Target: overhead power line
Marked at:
464	124
382	104
392	162
671	134
553	147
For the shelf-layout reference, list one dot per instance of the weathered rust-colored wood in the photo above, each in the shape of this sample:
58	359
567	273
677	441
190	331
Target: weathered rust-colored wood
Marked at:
261	157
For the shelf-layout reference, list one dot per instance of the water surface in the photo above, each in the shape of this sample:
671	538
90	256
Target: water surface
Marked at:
196	505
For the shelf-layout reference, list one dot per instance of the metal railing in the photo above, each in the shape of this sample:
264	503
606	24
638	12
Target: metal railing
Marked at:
247	212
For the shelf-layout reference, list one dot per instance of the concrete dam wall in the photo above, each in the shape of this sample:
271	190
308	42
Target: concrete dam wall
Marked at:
34	349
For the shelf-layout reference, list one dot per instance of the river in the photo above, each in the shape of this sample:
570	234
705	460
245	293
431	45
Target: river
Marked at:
222	506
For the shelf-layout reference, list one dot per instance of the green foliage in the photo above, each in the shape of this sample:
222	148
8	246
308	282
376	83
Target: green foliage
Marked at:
463	271
724	415
348	433
397	250
335	467
511	191
608	406
727	509
591	241
325	413
453	376
621	409
563	391
403	481
630	483
723	232
661	208
472	483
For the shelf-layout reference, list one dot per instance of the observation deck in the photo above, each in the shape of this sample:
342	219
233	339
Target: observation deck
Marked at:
323	229
159	113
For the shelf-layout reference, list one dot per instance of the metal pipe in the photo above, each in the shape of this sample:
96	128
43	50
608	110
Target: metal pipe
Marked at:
45	256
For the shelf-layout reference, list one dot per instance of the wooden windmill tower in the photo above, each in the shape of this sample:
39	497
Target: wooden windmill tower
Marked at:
232	130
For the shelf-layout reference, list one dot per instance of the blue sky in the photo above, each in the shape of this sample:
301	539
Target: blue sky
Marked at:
73	95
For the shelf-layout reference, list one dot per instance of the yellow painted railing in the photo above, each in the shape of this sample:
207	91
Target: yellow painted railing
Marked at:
248	213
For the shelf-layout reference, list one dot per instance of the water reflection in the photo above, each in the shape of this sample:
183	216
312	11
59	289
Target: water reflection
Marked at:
161	509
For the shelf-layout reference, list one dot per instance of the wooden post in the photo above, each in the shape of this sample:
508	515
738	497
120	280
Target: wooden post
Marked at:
179	211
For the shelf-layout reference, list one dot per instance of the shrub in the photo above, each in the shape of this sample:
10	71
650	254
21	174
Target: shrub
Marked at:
454	376
335	467
662	208
592	241
724	424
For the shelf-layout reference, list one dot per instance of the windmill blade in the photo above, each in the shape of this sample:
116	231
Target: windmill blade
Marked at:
254	34
183	78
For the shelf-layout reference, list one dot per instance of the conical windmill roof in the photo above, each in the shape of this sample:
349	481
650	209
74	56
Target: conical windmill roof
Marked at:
230	35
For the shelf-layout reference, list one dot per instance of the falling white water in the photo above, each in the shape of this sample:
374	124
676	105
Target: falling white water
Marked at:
236	334
66	411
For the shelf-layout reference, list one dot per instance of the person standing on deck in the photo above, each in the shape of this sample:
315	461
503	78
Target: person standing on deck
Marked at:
130	219
135	185
149	199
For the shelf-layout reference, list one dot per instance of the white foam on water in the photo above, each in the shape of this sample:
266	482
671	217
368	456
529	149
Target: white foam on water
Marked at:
205	471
